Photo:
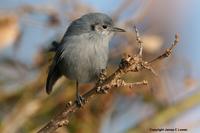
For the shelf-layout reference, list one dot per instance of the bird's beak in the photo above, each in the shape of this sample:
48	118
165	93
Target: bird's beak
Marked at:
116	29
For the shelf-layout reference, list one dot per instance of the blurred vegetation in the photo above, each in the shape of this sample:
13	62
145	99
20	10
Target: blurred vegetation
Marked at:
24	105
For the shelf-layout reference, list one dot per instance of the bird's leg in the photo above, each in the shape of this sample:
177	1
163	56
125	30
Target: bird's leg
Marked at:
102	77
79	98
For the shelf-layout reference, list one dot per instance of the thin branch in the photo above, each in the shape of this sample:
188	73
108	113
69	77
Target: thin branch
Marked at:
122	83
127	64
168	51
139	41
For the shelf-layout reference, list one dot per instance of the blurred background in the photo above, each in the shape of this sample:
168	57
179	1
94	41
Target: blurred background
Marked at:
172	100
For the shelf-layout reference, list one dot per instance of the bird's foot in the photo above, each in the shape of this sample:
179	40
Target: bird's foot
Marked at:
80	101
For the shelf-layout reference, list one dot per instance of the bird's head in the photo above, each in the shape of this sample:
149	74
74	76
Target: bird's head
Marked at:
94	23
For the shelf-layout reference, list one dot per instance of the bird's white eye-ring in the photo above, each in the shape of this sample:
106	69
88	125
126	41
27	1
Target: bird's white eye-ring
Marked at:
104	26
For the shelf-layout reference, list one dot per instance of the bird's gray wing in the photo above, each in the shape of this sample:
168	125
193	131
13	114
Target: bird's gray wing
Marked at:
54	72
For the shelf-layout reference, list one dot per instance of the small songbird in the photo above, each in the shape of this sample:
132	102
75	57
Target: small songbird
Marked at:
83	52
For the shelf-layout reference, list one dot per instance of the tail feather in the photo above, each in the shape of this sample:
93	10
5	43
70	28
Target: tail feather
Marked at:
53	76
54	72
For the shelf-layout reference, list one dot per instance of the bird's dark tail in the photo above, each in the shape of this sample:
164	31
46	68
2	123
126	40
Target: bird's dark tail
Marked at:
53	76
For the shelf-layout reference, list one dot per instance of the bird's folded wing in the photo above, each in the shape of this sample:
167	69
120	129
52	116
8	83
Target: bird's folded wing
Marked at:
54	72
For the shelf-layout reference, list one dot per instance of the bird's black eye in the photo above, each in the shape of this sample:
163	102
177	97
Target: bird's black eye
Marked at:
104	26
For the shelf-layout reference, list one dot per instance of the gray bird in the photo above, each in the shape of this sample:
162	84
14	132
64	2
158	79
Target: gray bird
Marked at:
83	52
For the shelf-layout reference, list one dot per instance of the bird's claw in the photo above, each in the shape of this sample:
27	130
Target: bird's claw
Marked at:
80	101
